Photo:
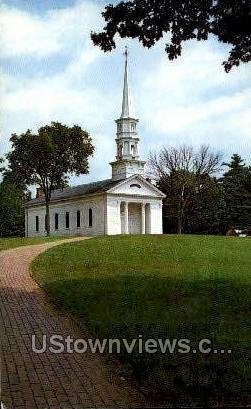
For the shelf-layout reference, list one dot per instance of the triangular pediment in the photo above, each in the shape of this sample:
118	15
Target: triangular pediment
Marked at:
136	185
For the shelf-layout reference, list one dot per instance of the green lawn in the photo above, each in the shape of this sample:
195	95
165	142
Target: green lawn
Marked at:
10	243
190	287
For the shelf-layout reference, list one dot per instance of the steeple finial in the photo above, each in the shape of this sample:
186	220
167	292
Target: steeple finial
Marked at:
126	103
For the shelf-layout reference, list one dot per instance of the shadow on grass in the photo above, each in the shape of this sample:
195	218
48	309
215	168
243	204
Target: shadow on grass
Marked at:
167	308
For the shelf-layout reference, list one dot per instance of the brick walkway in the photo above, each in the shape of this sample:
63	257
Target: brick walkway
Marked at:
48	381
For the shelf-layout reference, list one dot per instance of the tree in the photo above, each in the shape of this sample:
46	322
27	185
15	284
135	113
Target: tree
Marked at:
207	210
237	189
236	166
183	174
12	219
48	157
12	202
1	167
149	20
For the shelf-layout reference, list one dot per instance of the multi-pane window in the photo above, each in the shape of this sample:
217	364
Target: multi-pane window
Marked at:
67	220
90	218
56	221
37	223
78	218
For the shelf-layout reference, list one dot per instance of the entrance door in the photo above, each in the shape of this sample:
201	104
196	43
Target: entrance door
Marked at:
134	218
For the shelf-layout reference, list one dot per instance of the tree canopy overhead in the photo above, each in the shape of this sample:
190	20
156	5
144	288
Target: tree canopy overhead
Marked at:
150	20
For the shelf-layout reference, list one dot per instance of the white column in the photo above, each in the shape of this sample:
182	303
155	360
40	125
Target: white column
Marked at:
143	218
148	218
126	217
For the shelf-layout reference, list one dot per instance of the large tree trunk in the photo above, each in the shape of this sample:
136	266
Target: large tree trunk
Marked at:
180	219
180	225
47	218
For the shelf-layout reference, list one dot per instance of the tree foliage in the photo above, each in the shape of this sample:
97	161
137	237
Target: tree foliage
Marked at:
150	20
186	177
48	157
237	190
12	211
207	212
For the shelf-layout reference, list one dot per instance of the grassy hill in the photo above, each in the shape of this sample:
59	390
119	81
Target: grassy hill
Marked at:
159	287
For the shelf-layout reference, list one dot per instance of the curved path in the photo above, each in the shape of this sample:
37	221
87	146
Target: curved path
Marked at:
48	381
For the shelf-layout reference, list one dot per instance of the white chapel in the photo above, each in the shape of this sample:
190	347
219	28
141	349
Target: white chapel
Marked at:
128	203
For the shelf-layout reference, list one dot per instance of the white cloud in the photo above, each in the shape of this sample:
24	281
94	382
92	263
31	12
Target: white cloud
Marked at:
181	116
31	101
23	33
195	101
34	103
190	100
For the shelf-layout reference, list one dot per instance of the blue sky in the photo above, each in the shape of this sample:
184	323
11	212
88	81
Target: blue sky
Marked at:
52	72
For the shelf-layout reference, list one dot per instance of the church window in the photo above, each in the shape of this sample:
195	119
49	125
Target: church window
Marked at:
67	220
135	185
37	223
120	151
78	218
133	150
90	218
133	127
56	221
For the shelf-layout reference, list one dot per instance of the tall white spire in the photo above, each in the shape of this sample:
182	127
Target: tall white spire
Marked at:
126	97
127	161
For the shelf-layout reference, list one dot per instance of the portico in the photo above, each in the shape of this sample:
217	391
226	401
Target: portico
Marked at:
135	217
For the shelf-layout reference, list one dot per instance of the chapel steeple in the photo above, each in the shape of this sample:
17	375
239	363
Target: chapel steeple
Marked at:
126	103
127	161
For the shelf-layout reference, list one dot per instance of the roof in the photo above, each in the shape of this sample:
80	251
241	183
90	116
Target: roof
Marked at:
76	191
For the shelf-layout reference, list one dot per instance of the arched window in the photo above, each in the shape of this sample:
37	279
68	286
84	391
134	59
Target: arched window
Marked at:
78	218
56	221
120	150
135	185
90	218
133	127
